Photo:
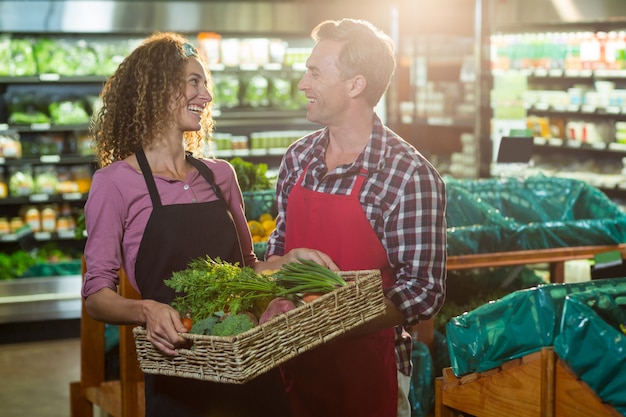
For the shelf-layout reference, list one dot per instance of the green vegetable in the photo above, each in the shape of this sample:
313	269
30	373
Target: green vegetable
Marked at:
204	326
251	177
233	324
211	285
307	276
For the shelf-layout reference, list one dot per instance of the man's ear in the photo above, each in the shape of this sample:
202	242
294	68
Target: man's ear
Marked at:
356	85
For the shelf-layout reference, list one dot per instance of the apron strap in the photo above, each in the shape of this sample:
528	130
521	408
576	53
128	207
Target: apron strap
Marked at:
206	172
147	174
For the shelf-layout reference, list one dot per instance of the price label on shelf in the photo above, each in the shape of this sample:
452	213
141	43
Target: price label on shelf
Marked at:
613	110
50	159
40	126
49	77
38	198
588	109
10	237
71	196
43	236
617	146
572	143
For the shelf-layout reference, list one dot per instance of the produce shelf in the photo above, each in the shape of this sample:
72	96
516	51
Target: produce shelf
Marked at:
48	298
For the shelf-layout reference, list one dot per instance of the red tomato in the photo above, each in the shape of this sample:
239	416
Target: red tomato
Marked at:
187	322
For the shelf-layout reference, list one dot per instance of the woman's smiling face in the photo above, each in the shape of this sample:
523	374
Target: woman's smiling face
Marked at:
196	97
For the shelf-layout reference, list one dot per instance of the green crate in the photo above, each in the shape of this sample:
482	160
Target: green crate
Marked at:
259	202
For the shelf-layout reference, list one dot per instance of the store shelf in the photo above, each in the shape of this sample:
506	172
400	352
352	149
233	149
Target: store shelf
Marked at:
46	298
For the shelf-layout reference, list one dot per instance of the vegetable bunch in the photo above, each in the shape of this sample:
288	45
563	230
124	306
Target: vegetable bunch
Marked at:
212	287
306	276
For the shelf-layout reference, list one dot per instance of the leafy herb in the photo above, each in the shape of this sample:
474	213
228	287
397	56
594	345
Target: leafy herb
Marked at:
211	285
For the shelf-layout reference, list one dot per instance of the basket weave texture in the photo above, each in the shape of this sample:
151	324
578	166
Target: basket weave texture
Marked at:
240	358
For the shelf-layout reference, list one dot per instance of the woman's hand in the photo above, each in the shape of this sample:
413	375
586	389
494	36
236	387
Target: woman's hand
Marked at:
275	262
161	321
163	325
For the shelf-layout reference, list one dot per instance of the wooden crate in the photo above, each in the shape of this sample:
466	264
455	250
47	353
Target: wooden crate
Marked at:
538	384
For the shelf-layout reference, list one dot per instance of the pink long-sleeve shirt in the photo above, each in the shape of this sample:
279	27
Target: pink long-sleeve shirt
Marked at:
118	208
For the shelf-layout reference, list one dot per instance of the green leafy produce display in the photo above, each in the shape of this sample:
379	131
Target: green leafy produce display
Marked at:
280	94
20	263
68	112
256	93
251	177
226	91
16	57
5	55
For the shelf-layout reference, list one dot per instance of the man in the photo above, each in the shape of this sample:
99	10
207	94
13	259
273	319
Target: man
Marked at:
360	193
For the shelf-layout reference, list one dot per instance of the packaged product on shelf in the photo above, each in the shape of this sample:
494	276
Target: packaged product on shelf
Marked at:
10	145
32	218
85	145
21	61
49	219
280	94
254	51
277	50
226	90
21	181
5	228
4	189
16	224
82	177
26	107
209	47
66	183
256	92
46	180
68	112
620	132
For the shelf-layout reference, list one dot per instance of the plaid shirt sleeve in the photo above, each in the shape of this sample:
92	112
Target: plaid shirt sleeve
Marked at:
414	234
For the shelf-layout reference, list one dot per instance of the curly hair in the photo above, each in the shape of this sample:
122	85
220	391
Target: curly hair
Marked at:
366	50
136	99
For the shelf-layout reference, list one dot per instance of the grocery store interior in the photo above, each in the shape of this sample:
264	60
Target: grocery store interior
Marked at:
519	104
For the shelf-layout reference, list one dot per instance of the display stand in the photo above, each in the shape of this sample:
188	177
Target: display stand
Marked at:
538	384
117	398
555	257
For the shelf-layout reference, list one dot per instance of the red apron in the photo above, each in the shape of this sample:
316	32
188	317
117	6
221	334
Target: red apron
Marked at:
354	376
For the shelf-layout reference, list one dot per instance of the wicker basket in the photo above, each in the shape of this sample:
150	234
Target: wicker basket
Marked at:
238	359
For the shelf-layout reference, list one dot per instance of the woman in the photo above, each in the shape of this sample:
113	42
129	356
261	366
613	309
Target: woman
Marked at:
153	207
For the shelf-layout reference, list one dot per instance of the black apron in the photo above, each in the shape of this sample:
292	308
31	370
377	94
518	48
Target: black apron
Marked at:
174	235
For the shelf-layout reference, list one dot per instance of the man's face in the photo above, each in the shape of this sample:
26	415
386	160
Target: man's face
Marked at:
323	85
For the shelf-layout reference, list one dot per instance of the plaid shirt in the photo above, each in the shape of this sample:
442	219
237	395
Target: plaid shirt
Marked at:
403	197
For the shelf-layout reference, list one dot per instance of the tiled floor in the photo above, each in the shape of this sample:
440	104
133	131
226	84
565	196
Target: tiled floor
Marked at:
35	377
